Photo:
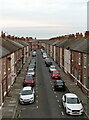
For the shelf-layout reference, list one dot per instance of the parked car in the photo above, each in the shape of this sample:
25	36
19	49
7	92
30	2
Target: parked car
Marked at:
55	75
59	85
34	53
52	68
31	67
27	95
29	81
32	64
42	50
44	55
31	72
48	62
72	104
33	61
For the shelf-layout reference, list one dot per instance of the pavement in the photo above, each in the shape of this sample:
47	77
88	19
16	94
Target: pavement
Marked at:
11	100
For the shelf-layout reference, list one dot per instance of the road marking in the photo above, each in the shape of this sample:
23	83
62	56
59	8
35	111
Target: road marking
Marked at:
36	91
56	96
62	113
34	108
60	106
36	95
54	92
53	89
36	101
52	86
23	109
36	85
36	88
57	100
37	107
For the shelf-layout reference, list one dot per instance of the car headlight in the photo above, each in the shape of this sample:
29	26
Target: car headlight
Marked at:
31	98
21	99
81	109
68	108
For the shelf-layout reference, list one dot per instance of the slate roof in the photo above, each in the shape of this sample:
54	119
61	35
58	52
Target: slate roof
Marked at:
8	47
3	51
17	44
51	42
23	43
81	45
7	44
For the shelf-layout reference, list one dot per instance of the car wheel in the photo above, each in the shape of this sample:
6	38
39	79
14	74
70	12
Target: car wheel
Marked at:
54	88
66	111
20	102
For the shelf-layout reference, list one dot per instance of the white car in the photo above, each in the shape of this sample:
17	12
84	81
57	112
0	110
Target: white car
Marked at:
52	68
27	95
44	55
31	72
72	104
33	53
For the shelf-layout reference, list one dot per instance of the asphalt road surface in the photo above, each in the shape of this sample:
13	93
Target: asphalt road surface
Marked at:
47	101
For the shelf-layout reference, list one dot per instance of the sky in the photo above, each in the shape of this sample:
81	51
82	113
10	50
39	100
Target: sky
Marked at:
43	18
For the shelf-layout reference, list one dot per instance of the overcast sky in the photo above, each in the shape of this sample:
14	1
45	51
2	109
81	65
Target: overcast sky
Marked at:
43	18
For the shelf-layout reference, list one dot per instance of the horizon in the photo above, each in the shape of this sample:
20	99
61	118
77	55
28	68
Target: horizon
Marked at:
43	19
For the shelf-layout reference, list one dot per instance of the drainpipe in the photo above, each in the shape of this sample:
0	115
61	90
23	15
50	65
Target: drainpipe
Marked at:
1	90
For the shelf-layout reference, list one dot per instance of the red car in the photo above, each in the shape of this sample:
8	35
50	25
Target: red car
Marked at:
29	81
55	75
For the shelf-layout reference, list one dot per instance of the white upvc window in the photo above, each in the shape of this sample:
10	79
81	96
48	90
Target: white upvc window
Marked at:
85	60
79	59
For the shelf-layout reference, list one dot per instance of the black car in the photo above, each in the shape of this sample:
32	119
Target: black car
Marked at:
48	62
59	84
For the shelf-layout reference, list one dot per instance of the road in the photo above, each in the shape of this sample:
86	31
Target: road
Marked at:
47	102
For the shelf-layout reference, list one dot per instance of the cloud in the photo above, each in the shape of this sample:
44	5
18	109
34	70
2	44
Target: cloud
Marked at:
25	13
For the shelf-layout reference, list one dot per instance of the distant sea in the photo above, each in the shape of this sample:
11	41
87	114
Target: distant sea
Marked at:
40	32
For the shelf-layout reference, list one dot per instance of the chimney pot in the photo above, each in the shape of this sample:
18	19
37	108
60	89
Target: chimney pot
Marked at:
87	34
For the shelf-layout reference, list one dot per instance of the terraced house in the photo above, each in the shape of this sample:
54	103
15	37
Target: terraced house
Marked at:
71	53
13	55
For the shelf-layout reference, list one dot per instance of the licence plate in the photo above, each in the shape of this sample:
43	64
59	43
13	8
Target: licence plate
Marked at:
56	77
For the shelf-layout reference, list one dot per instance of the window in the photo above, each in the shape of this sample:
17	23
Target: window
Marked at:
84	80
4	86
72	56
85	60
79	59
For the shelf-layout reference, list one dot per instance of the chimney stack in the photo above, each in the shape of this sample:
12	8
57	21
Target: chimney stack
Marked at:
71	36
87	34
79	35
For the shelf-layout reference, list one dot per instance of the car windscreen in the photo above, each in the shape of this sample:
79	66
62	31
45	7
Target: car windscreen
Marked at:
26	92
30	71
28	78
55	72
52	67
59	82
73	100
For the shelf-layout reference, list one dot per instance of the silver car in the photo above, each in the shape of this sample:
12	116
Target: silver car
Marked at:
31	72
